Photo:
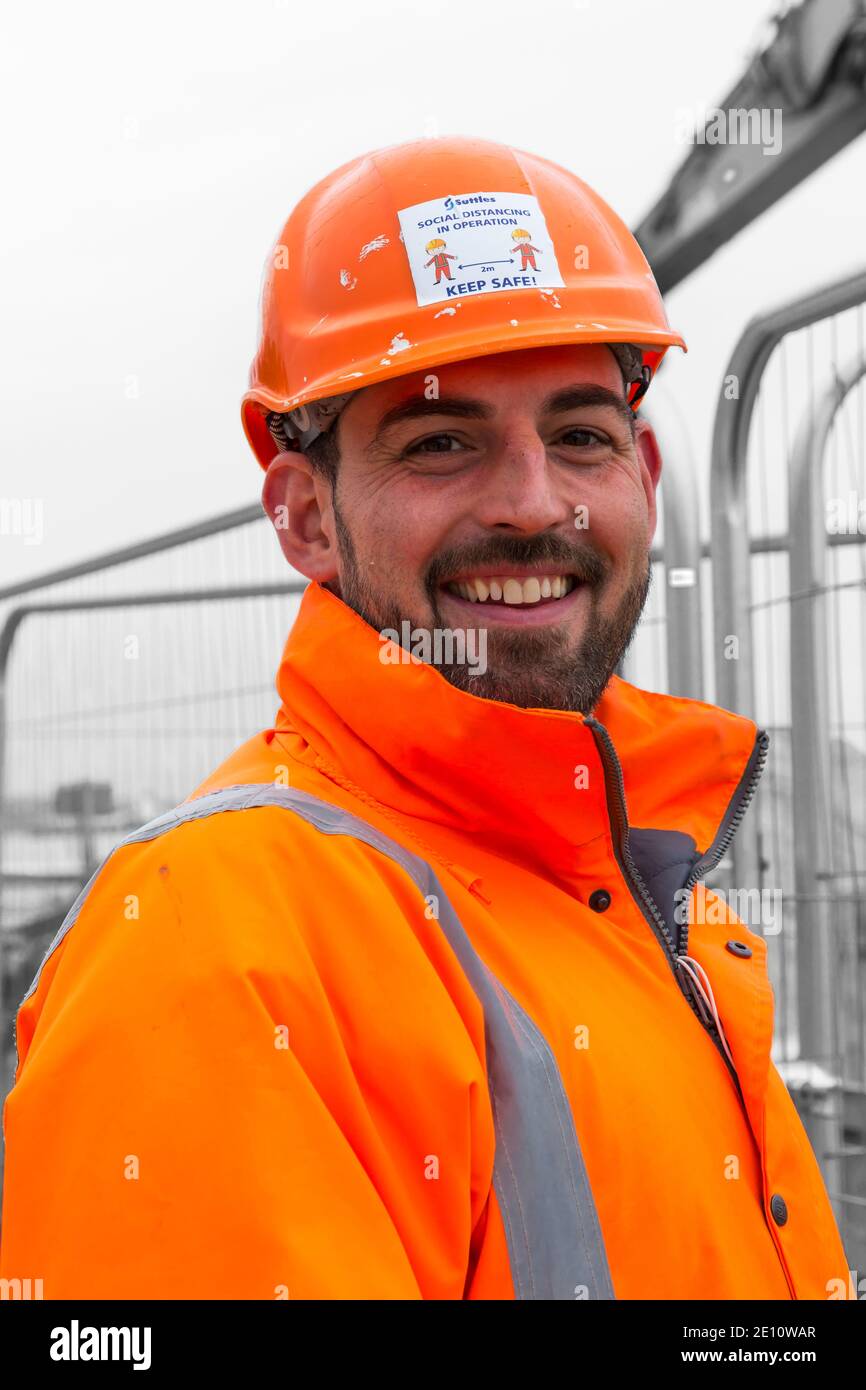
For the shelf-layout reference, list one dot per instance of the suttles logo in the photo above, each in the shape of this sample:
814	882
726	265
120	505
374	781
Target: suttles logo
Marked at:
475	198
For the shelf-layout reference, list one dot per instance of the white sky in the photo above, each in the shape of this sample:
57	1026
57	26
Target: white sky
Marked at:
152	153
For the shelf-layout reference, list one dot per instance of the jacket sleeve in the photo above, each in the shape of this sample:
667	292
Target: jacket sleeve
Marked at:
186	1121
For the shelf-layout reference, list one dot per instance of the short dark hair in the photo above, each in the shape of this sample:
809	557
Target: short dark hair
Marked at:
324	453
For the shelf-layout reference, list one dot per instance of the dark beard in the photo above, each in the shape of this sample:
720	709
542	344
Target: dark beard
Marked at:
533	669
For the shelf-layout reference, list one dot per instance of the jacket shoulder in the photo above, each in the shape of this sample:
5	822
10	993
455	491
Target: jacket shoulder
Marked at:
220	1014
226	886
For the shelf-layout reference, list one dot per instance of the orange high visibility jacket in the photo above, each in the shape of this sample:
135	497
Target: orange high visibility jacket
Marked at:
391	1007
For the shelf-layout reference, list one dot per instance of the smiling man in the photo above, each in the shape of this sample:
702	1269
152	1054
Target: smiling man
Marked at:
478	483
399	1002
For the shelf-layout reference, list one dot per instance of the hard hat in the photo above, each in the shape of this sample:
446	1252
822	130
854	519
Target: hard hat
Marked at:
353	295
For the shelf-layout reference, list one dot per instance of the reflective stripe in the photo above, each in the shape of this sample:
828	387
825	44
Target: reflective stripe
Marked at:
555	1245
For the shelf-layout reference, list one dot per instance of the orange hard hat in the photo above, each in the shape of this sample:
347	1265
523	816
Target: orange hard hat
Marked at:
352	296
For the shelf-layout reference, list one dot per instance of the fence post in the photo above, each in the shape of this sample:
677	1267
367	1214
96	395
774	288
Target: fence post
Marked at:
681	549
730	548
818	921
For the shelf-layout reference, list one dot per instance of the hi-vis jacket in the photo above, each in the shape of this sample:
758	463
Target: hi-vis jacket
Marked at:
390	1008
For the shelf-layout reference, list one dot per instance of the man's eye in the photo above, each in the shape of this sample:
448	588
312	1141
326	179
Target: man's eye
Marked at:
580	437
435	444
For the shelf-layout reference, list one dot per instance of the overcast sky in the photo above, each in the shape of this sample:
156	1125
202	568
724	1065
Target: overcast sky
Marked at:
152	152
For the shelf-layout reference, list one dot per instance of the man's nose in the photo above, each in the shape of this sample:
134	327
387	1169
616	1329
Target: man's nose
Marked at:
519	487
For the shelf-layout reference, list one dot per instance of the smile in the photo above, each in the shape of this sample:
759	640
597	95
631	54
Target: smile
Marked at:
513	590
518	599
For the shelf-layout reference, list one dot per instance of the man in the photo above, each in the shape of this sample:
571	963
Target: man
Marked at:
399	1003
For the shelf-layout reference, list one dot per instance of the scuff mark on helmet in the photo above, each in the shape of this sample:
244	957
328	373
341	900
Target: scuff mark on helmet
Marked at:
375	245
347	280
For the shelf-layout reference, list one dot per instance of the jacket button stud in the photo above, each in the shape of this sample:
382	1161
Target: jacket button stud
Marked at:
599	901
738	948
779	1208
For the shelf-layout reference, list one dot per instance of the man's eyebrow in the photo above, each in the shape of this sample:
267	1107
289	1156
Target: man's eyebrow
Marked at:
418	407
573	397
466	408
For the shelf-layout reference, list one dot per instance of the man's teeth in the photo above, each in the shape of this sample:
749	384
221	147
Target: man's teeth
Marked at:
511	590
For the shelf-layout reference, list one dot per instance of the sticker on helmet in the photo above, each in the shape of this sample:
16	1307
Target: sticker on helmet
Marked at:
476	243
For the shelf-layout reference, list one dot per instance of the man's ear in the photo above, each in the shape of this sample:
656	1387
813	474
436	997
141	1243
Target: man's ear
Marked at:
298	503
650	459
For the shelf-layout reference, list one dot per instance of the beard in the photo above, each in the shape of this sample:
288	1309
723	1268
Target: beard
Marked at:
528	667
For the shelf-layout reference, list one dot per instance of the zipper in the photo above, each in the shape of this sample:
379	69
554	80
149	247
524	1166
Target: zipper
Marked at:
737	807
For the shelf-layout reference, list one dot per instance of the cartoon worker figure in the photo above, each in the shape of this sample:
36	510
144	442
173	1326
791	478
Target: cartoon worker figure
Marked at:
439	259
526	248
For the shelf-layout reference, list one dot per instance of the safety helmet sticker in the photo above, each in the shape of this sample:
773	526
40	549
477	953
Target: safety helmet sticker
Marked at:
476	243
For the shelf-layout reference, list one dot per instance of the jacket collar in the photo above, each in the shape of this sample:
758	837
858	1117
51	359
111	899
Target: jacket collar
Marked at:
511	779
